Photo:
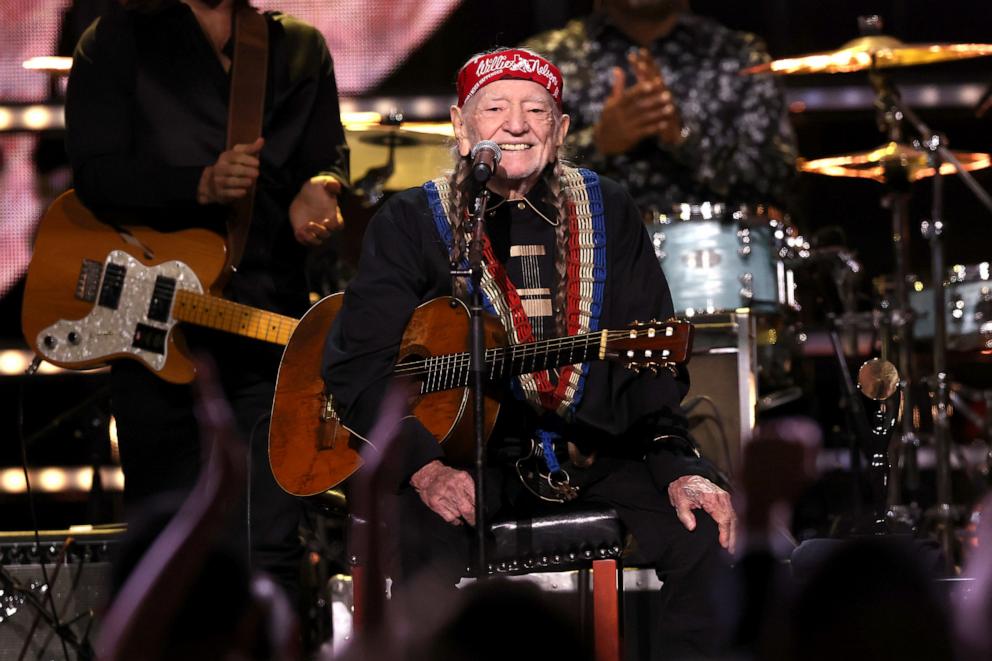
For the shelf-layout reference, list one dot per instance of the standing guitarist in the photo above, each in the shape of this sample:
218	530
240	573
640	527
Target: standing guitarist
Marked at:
147	118
565	252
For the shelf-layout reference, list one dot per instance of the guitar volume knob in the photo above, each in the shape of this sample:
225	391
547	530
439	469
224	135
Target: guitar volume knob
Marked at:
50	342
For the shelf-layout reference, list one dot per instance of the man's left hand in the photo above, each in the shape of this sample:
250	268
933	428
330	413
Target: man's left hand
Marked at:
314	212
695	492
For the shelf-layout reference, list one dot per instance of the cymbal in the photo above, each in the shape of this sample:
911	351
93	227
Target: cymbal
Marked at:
877	163
421	150
872	52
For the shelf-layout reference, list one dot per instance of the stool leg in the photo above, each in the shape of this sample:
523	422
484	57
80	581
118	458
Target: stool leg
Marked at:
606	610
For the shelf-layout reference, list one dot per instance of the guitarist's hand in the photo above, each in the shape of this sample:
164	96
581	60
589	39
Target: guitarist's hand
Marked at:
314	212
448	492
232	176
696	492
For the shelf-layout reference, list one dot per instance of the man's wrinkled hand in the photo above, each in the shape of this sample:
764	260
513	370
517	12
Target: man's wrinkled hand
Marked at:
695	492
314	212
232	176
450	493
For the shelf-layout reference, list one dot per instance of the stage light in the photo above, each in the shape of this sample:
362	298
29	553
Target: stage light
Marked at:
52	479
115	450
6	119
12	480
13	362
36	117
112	478
82	479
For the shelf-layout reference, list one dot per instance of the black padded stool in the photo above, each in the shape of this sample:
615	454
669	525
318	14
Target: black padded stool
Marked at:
571	537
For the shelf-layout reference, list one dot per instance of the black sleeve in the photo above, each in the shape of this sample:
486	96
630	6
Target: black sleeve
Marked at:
364	340
322	148
639	407
100	124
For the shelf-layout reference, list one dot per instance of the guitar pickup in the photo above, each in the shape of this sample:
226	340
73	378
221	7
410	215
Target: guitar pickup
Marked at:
113	285
88	283
149	338
161	303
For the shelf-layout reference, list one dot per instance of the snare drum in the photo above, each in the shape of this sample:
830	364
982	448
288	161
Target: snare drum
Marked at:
969	308
720	257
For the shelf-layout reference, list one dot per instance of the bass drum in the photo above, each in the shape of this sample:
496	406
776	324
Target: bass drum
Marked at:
720	257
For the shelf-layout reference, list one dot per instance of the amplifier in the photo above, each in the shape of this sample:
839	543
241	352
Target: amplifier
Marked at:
77	565
721	403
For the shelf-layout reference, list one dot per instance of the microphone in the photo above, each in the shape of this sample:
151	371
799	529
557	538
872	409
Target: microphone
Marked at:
485	157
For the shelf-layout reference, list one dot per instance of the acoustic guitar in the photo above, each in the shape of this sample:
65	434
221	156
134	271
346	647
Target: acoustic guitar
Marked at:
311	450
96	292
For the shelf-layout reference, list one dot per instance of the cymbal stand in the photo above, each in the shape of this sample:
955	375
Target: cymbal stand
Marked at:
905	447
932	230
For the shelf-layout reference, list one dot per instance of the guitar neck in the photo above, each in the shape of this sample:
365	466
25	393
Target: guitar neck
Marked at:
221	314
452	370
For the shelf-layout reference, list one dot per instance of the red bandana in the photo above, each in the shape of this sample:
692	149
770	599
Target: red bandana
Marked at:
515	63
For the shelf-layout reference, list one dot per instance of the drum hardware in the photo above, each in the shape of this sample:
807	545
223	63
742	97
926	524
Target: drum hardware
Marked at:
878	380
897	165
394	154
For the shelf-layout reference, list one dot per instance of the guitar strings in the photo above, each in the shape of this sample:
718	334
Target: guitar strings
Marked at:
450	364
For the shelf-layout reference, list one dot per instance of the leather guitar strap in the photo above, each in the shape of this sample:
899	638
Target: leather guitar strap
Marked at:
245	107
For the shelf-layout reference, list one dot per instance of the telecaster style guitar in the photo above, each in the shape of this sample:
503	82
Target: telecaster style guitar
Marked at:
95	293
311	450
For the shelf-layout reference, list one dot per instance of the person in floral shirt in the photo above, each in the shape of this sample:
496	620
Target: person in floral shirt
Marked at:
658	102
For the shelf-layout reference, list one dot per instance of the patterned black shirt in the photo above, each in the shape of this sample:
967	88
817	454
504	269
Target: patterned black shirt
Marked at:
739	145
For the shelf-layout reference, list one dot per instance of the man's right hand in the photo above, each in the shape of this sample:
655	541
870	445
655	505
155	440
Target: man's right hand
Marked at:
631	114
450	493
232	176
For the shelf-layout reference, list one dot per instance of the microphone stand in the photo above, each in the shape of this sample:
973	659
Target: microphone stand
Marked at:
477	362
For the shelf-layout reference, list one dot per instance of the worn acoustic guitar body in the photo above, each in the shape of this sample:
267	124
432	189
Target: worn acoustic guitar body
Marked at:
310	449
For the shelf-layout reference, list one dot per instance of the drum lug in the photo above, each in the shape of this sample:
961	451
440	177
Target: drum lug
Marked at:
744	239
747	291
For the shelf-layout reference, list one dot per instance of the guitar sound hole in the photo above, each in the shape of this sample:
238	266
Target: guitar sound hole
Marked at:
413	379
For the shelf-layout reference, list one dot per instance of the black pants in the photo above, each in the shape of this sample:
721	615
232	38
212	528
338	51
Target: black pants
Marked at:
692	565
160	452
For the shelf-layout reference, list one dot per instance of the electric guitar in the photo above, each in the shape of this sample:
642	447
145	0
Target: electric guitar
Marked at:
310	448
96	292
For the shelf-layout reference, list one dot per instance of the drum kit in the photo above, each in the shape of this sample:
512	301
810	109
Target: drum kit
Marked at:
953	314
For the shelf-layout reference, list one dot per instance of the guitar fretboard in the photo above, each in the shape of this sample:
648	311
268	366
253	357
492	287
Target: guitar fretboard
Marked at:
452	370
221	314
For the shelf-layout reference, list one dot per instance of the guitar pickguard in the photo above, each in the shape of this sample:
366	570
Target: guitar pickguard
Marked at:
130	315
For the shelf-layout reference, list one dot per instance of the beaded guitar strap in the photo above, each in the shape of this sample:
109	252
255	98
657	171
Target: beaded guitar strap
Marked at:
585	281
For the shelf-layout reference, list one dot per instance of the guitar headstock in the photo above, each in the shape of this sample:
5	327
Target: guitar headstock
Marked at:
651	344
